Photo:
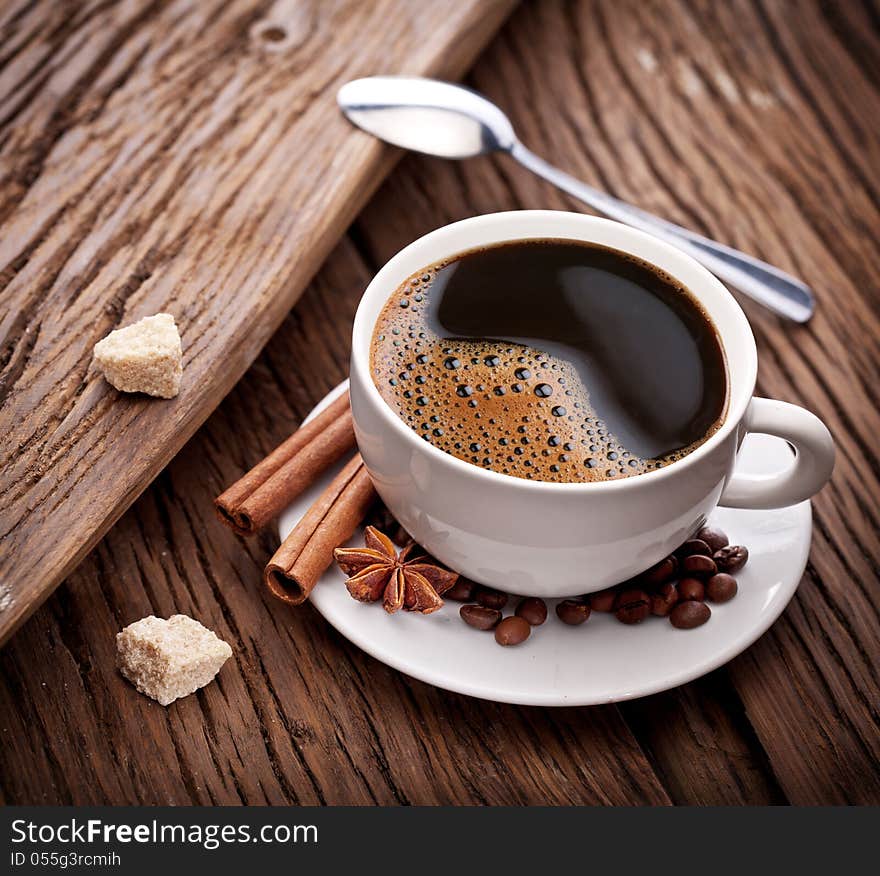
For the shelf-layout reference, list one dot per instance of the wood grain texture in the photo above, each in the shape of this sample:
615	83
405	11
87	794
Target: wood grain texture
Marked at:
754	121
167	156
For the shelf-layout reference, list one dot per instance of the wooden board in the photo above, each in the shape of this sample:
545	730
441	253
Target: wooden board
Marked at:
168	156
742	120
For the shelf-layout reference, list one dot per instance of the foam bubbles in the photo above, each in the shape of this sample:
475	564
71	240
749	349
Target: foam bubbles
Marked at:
492	403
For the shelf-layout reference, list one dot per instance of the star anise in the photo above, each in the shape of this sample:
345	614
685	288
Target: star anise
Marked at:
411	580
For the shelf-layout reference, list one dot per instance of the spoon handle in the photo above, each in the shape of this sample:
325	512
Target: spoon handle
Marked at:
776	290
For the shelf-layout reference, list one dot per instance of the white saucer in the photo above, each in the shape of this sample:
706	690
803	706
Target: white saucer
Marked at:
602	660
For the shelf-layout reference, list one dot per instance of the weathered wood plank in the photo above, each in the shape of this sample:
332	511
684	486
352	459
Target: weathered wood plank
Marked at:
167	156
702	746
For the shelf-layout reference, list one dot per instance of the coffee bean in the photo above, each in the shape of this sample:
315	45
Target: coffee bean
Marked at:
512	630
694	546
603	600
632	606
731	558
715	538
664	600
572	612
461	591
383	520
689	614
492	598
660	572
721	587
534	610
697	564
691	588
479	617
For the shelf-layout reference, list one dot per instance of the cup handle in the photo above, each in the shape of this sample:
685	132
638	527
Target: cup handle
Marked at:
809	471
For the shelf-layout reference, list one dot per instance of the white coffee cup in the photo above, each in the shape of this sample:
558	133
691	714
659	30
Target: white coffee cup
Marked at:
547	539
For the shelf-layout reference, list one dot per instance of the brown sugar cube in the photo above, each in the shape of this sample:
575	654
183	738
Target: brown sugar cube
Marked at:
143	357
169	659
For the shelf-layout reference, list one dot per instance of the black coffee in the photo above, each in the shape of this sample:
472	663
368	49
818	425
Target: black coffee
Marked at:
551	360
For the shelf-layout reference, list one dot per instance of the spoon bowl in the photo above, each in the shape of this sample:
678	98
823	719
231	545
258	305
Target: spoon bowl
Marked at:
427	116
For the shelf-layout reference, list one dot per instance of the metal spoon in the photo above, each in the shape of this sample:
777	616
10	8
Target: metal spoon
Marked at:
449	121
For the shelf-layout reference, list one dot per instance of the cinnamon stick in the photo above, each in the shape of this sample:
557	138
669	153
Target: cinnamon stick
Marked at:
251	502
307	551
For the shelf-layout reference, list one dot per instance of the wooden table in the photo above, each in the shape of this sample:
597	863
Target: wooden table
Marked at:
755	122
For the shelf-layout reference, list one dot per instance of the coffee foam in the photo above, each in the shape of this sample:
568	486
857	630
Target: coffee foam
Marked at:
507	407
